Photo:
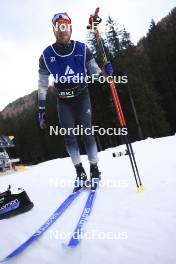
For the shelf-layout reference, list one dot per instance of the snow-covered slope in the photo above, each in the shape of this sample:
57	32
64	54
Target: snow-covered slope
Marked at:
124	227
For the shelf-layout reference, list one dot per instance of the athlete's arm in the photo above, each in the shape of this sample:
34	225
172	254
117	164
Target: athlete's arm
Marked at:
91	64
42	83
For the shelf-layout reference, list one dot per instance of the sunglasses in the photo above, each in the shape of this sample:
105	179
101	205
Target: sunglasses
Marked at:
61	16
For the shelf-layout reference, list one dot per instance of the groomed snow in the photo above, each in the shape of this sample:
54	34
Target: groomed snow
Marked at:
124	227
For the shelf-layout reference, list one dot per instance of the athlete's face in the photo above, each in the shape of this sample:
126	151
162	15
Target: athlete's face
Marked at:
62	32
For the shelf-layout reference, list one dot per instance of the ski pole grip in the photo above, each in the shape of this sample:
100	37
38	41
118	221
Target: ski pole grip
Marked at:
94	19
97	10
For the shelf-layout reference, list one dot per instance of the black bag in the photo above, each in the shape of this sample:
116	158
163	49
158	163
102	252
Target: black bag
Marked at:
14	204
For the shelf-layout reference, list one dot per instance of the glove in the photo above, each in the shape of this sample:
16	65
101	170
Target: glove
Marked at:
42	118
108	68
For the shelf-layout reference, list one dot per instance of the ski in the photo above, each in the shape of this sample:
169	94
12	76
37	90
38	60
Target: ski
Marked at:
77	234
45	226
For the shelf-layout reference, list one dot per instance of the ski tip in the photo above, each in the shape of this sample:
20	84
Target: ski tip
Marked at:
72	246
74	242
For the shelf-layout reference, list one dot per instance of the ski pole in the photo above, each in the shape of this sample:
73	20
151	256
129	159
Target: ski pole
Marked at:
94	21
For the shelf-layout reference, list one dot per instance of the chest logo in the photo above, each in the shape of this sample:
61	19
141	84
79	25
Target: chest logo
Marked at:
69	70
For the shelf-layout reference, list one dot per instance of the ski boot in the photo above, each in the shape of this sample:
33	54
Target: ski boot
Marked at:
14	204
81	177
94	176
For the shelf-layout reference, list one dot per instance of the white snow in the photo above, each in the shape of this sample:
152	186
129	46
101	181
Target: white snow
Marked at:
143	225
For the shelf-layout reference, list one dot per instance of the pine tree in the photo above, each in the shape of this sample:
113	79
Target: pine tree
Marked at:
112	34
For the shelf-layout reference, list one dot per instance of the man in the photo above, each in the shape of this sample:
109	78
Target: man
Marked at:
65	60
